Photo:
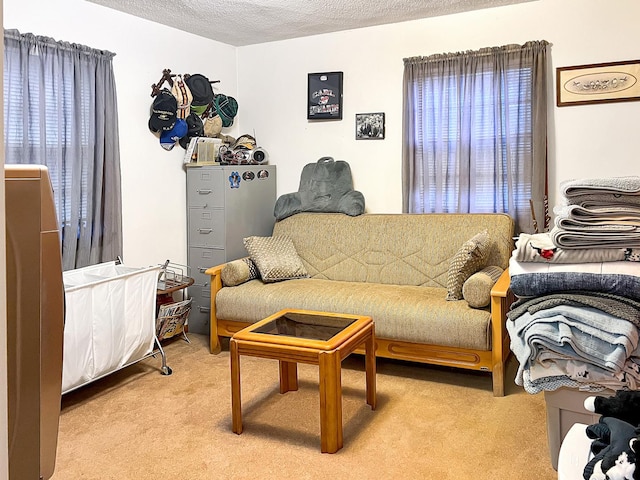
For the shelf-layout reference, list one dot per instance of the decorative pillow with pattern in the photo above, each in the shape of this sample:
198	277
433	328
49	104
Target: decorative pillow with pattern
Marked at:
238	271
471	258
275	257
477	289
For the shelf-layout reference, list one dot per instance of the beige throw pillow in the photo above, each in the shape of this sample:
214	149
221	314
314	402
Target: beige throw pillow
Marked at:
275	257
238	271
477	289
471	257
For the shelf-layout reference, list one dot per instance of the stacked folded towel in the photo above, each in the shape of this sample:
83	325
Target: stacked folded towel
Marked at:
576	322
598	213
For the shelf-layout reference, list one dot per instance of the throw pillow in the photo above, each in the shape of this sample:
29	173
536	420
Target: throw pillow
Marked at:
471	257
275	257
238	271
477	289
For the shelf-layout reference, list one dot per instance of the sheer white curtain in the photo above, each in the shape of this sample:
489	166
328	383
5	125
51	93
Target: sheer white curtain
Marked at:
474	133
60	110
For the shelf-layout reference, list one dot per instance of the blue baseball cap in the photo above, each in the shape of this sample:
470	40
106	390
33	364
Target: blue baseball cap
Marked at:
169	138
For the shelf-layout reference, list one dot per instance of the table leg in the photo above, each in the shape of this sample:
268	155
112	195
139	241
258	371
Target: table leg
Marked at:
288	376
370	368
330	401
236	406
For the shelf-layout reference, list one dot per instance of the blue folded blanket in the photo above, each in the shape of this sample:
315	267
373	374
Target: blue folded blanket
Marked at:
575	332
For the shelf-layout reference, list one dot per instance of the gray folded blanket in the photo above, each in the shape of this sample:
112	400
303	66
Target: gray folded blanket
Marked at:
594	238
617	305
590	215
602	191
616	185
540	248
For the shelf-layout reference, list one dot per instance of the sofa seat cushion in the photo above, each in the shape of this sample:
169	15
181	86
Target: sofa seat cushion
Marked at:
400	312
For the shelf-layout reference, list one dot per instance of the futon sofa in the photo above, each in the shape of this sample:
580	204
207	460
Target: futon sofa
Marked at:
396	268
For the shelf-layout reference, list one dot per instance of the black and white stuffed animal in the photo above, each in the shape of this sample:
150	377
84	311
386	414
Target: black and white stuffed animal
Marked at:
624	405
611	448
617	437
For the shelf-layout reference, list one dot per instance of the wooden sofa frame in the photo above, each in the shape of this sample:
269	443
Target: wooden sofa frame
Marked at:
492	361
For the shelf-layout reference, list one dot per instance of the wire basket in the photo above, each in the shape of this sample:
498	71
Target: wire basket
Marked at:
173	275
172	318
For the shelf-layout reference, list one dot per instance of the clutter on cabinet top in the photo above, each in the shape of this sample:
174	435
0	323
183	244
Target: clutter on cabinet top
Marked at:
189	109
225	150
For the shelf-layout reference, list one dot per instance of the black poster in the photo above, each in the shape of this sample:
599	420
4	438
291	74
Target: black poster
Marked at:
324	98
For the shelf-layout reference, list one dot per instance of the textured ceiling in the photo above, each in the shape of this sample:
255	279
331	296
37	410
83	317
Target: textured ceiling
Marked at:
247	22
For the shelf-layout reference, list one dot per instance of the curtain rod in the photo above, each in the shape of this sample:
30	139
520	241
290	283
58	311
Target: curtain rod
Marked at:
39	40
483	52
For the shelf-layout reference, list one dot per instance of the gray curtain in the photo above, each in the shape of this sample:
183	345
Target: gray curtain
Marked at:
60	110
475	133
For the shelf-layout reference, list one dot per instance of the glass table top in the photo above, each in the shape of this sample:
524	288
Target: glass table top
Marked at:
302	325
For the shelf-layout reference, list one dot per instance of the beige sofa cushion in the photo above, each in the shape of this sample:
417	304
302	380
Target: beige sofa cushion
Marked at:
477	289
471	257
408	313
275	257
394	249
238	271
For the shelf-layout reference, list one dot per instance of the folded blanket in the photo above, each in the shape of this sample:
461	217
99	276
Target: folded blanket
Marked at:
614	190
539	247
536	279
613	214
594	238
617	305
583	333
550	384
553	371
606	226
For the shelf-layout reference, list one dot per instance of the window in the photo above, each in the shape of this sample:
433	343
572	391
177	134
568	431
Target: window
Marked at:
60	111
472	141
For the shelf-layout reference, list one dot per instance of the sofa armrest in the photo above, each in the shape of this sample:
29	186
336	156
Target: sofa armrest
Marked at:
216	285
501	300
501	287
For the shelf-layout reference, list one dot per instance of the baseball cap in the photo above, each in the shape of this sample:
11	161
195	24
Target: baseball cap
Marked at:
168	138
200	89
163	111
226	107
195	128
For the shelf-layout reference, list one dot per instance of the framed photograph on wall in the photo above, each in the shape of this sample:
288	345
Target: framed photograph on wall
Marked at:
324	96
369	126
598	83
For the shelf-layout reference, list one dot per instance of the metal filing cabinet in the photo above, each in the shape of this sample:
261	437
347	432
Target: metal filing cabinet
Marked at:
224	205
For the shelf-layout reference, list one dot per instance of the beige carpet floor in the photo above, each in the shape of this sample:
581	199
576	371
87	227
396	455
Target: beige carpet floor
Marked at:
431	423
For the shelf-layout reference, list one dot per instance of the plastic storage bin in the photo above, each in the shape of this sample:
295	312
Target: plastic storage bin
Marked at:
565	408
575	453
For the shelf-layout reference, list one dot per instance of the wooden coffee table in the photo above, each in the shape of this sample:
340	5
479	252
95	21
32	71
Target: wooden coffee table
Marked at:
318	338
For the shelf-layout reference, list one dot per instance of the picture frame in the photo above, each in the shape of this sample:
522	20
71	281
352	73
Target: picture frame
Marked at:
598	83
370	126
324	96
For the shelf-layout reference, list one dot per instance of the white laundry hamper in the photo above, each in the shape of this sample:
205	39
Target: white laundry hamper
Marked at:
110	320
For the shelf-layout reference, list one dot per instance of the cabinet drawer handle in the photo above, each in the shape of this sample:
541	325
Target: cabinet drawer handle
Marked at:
205	192
205	230
202	269
204	309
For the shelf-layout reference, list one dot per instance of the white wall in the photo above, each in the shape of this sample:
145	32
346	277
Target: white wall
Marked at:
584	141
270	82
153	179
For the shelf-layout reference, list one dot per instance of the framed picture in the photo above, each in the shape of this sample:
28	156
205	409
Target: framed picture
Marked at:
324	96
369	126
598	83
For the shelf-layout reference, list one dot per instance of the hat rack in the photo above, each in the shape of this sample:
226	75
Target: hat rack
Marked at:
167	76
